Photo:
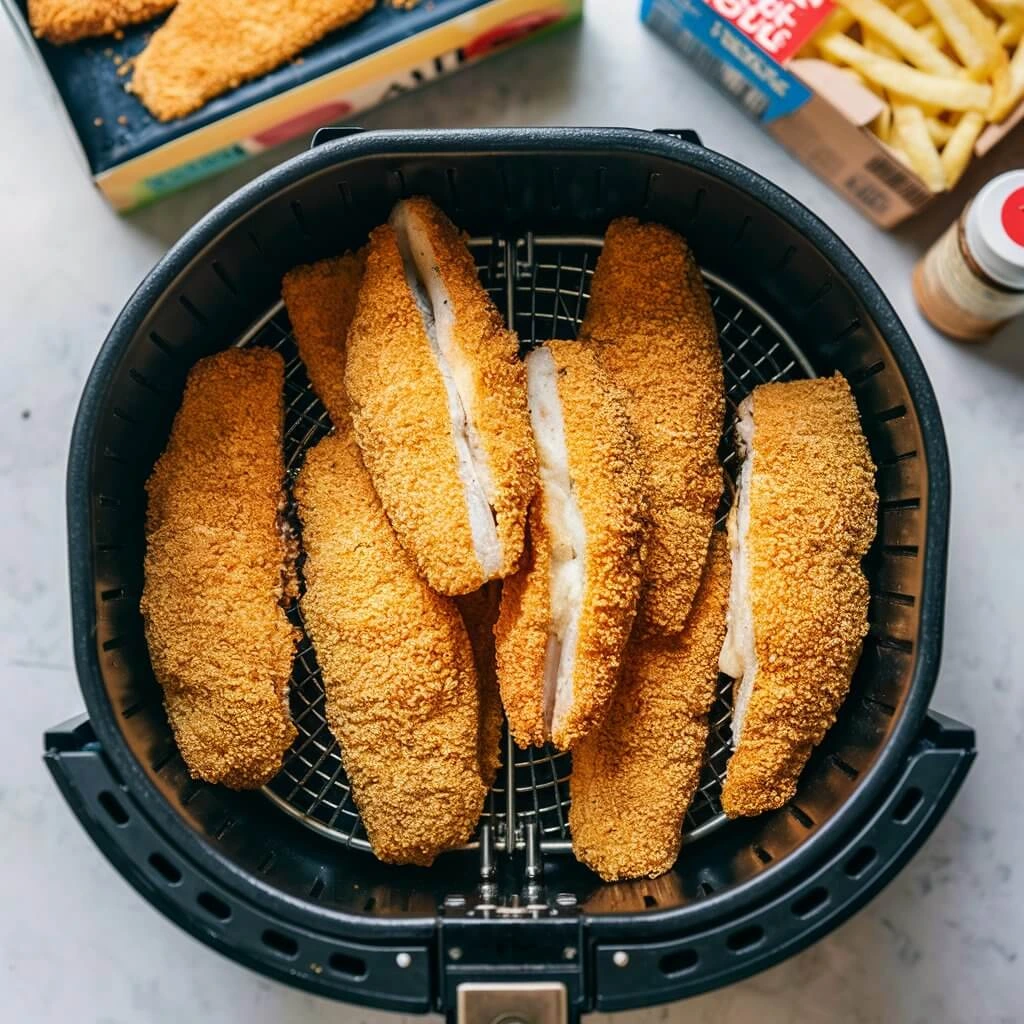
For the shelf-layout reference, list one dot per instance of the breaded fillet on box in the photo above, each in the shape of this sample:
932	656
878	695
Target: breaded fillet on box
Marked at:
204	48
439	406
633	777
805	516
650	322
415	723
566	615
67	21
218	567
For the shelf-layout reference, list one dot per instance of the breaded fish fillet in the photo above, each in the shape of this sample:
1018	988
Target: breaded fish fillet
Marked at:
479	612
347	615
204	48
66	21
397	666
805	515
321	301
217	569
634	776
651	322
439	406
566	615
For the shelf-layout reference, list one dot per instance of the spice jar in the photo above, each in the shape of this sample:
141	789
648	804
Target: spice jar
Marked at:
971	281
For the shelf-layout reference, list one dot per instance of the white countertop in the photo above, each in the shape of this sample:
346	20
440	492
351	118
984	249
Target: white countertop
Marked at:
944	942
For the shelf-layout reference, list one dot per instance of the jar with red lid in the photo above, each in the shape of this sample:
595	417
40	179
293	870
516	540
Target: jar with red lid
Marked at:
971	281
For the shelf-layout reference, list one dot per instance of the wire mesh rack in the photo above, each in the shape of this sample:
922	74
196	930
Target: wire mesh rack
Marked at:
542	284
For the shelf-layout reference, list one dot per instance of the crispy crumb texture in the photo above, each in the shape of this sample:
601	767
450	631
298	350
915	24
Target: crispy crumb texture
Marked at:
400	412
321	301
402	409
521	637
813	516
66	21
634	776
490	352
650	321
219	641
479	612
606	479
204	49
419	727
397	666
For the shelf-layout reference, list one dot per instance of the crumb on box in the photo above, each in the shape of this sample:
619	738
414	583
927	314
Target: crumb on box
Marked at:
122	119
98	121
118	34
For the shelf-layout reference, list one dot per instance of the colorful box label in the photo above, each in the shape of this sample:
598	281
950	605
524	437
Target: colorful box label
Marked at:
779	27
727	55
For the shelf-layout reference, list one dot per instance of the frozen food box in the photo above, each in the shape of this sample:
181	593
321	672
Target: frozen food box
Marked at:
135	159
748	48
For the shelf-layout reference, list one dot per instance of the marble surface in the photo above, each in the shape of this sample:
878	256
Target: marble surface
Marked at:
942	944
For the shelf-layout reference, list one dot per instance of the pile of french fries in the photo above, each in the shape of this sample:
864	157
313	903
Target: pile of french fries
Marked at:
944	69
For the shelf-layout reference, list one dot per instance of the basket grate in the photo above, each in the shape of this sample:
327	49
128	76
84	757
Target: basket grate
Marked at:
543	285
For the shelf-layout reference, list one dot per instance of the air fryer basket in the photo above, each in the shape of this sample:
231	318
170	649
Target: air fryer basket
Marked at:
282	879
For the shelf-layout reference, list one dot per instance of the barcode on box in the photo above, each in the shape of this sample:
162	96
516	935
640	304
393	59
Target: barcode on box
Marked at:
889	173
868	193
664	20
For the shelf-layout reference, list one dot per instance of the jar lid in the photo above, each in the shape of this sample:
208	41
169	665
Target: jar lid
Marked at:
995	229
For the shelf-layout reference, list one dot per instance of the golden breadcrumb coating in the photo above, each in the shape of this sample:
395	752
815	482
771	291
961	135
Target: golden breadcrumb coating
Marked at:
813	516
204	48
499	409
396	663
634	776
401	414
479	612
216	571
608	487
521	636
321	301
651	321
66	21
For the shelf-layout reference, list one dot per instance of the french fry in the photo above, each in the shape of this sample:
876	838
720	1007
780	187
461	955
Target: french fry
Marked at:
913	12
933	90
882	125
939	131
894	150
874	43
838	21
932	31
891	28
969	32
956	154
910	127
1011	30
1009	87
941	67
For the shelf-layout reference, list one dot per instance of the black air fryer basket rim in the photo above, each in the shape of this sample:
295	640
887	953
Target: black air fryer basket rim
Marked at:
493	143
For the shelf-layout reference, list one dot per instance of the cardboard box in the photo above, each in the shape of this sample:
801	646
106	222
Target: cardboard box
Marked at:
821	115
135	159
